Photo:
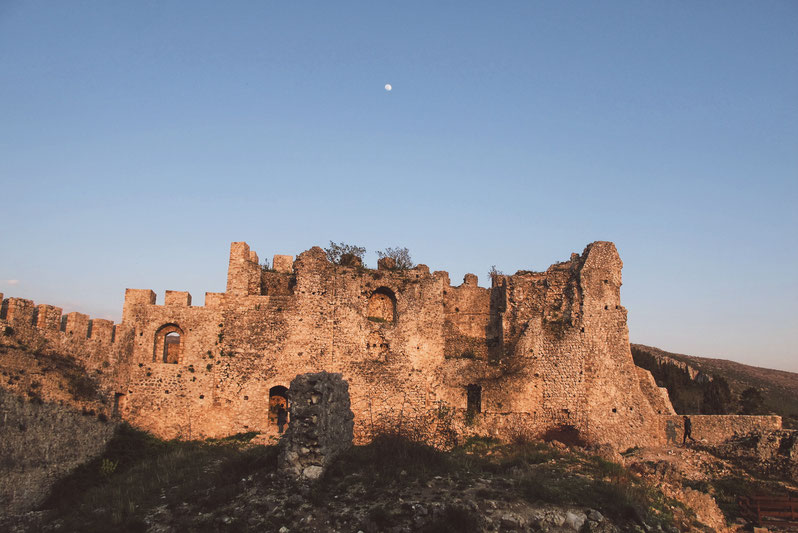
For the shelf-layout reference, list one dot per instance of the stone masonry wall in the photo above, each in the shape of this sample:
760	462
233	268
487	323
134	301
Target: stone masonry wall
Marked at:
552	346
547	348
321	424
657	396
39	444
715	429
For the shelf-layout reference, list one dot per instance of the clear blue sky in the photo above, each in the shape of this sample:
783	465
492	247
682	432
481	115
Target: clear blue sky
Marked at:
138	139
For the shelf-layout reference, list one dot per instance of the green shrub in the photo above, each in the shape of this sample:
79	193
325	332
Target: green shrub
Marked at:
107	467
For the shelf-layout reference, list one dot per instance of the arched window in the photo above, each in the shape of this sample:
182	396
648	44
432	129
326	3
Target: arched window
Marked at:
169	343
382	306
278	397
474	399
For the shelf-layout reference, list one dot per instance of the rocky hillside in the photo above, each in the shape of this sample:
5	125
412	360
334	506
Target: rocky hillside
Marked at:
779	388
393	484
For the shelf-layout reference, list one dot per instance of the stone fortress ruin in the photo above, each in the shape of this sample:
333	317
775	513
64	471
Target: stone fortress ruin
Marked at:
536	352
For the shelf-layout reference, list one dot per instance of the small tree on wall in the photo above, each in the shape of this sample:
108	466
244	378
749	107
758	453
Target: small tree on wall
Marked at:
400	255
337	250
494	272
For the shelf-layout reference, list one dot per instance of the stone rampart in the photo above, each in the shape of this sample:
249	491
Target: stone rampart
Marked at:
96	343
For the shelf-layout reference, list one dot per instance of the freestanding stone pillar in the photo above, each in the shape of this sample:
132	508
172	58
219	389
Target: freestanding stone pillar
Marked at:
320	426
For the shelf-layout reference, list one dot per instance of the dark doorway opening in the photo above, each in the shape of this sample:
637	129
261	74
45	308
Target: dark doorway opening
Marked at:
474	398
566	433
278	397
119	401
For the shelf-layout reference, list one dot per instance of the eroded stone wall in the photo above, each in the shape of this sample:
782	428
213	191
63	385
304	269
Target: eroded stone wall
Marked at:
320	427
39	444
546	349
550	346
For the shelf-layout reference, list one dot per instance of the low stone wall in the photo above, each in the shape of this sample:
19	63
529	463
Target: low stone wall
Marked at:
39	444
715	429
320	426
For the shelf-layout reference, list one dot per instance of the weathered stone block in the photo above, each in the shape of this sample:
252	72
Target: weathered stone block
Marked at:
386	263
283	263
139	297
77	325
177	299
48	317
243	274
20	312
213	299
102	330
320	425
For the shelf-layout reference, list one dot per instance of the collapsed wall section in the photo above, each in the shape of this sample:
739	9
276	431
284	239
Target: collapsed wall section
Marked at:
616	407
321	424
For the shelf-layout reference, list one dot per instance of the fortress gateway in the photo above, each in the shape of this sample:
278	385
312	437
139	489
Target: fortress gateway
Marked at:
537	351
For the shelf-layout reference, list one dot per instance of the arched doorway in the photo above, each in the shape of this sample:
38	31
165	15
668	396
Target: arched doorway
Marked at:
278	397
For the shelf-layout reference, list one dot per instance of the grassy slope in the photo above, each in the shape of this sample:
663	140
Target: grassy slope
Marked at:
233	486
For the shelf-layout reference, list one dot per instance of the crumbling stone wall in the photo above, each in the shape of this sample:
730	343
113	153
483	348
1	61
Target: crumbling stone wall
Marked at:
550	349
39	444
321	424
99	344
657	396
550	346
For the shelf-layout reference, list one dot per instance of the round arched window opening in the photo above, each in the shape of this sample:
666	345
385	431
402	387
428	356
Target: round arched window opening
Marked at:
382	306
169	344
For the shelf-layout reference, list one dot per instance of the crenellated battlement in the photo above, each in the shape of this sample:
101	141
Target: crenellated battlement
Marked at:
45	328
25	315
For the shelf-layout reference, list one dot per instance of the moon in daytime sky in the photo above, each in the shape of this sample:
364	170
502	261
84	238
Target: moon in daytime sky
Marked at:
388	87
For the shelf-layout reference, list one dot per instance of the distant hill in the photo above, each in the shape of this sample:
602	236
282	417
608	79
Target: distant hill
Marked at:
779	388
